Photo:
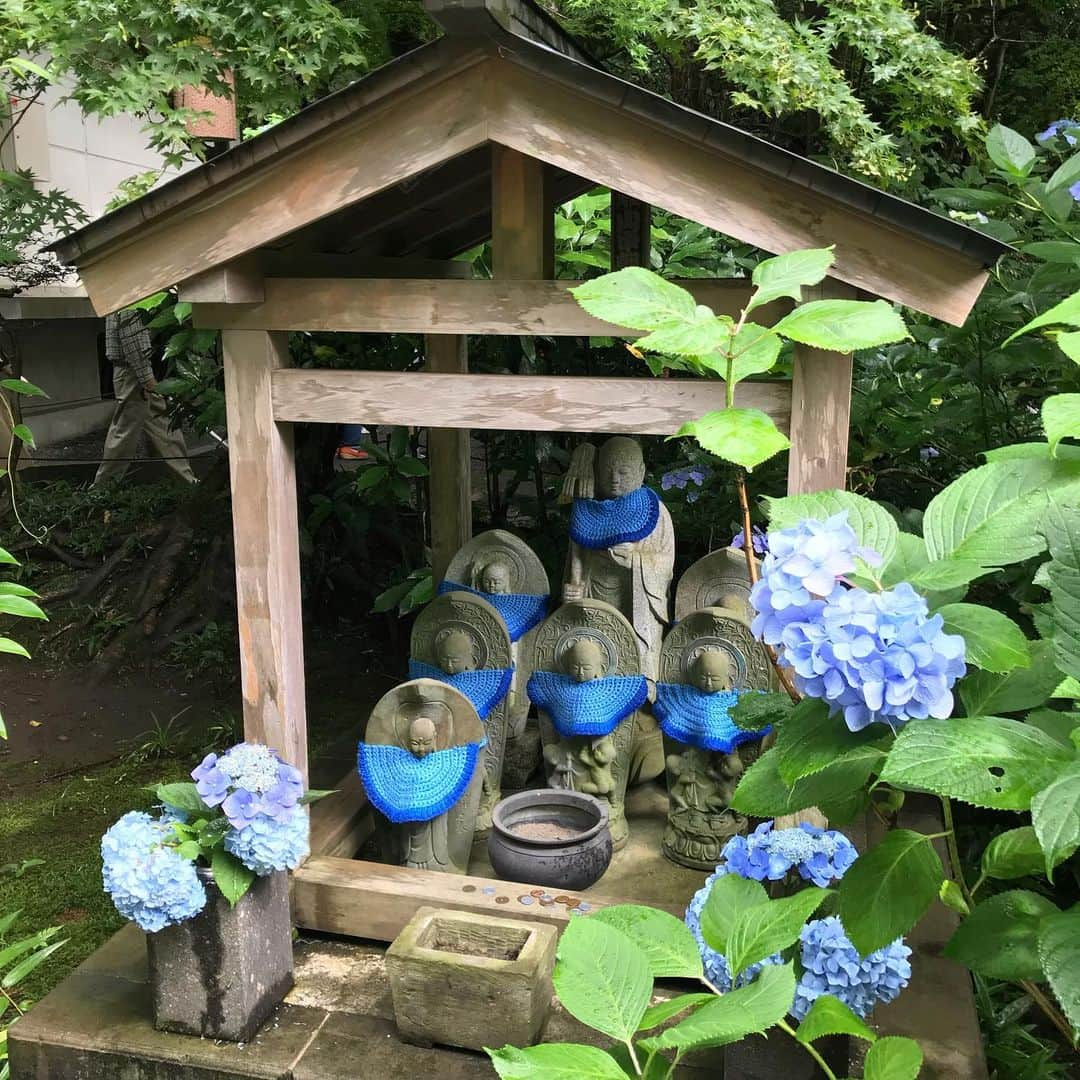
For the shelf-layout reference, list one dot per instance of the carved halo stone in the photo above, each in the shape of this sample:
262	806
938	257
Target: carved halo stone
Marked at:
719	579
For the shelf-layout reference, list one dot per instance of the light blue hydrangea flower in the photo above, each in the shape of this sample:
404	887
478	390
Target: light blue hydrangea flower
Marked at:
248	781
820	856
267	844
1059	127
876	656
150	884
833	966
758	540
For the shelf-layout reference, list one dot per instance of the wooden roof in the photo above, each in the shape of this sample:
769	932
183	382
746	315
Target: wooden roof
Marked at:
398	164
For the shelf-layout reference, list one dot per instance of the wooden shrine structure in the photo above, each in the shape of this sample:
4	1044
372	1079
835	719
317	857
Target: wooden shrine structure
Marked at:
345	218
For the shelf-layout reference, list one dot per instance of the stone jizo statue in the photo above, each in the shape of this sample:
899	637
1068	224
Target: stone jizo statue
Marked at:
455	652
711	672
495	578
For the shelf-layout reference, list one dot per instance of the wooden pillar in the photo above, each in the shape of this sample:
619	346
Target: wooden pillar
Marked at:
449	463
820	410
520	217
631	231
266	538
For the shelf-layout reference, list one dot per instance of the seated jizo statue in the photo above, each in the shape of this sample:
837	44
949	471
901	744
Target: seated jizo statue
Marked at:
460	639
587	686
708	660
419	763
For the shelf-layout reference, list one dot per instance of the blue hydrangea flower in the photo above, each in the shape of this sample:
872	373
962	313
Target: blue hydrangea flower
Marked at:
876	656
1074	189
715	964
1059	127
248	781
758	540
820	856
150	884
267	844
833	966
693	496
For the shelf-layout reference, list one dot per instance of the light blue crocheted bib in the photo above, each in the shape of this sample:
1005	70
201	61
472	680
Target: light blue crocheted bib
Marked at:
689	715
603	523
520	611
408	788
587	708
484	688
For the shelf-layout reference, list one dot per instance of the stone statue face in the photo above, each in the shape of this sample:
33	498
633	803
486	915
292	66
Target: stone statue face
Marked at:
421	737
711	671
495	578
620	468
455	653
584	661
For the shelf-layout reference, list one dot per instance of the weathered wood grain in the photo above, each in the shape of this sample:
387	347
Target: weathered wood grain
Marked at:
514	402
341	822
631	231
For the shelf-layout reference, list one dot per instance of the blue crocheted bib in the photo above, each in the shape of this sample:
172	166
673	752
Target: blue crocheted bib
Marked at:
485	688
520	611
407	788
603	523
587	708
689	715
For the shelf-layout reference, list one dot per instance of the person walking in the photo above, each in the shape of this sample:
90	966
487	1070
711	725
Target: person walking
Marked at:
139	407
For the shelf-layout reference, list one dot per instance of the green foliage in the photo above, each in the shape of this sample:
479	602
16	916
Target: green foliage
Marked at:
1012	854
994	642
893	1058
830	1016
1059	958
999	938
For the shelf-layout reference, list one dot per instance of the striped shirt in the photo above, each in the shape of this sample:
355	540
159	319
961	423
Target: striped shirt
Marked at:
127	343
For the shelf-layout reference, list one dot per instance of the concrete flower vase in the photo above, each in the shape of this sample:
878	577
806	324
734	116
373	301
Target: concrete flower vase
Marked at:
221	974
469	980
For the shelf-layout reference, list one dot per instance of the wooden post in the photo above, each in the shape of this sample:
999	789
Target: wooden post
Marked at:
520	216
449	462
820	410
267	546
631	231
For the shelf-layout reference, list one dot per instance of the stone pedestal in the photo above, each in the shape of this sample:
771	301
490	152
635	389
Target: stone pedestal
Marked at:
221	974
469	980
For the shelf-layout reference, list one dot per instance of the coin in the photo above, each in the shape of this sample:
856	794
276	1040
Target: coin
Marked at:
537	893
562	899
502	899
468	888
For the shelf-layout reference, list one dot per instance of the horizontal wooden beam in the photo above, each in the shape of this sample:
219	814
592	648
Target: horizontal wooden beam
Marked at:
513	402
424	306
374	901
341	822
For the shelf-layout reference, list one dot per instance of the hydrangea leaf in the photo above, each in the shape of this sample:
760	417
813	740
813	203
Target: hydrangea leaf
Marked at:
1010	151
785	275
1055	816
181	797
663	1011
746	437
1067	688
729	896
665	940
764	929
971	198
948	574
873	525
1058	725
1059	955
993	641
733	1016
1068	341
843	325
952	896
1068	172
812	740
1061	527
752	712
699	335
637	298
999	938
231	876
988	761
755	350
830	1016
602	978
893	1057
888	889
1066	313
989	692
1061	417
908	560
555	1061
1013	854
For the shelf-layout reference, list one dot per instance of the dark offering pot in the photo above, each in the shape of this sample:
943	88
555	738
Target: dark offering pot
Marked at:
550	837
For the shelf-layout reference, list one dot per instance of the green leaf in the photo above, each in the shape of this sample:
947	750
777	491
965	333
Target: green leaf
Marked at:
754	712
952	896
1009	150
909	559
1061	418
812	740
971	198
602	978
764	929
785	275
182	797
1061	527
830	1016
999	938
1067	313
189	849
1013	854
231	876
24	434
1055	816
21	606
29	964
410	466
12	647
888	889
370	476
635	297
1055	251
843	325
1067	688
12	588
993	641
948	574
1021	688
22	386
1068	341
661	1013
698	335
1068	172
984	760
746	437
733	1016
666	941
1059	954
755	350
7	558
893	1057
555	1061
1058	725
729	896
872	524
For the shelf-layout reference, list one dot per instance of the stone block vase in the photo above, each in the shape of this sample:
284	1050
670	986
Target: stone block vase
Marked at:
221	974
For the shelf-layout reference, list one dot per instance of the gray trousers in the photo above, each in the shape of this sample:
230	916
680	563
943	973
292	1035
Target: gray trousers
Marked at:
137	410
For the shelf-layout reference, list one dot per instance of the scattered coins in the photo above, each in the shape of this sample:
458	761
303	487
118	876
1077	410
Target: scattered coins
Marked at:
547	902
488	890
526	899
562	899
537	893
572	902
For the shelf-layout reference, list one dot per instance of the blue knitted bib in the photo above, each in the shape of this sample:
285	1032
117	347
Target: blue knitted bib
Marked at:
407	788
691	716
520	611
603	523
587	708
484	688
